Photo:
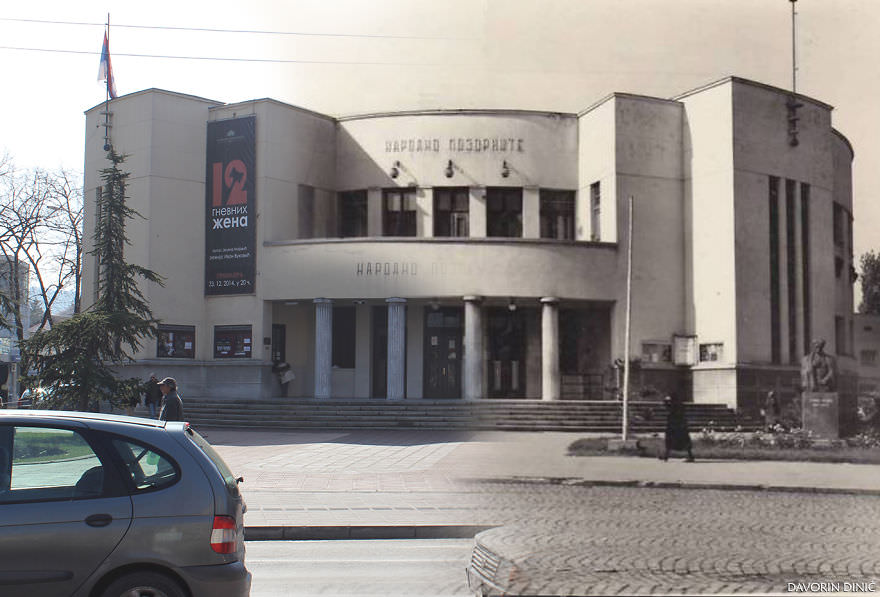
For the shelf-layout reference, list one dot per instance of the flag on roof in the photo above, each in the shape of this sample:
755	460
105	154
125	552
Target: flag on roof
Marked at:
105	70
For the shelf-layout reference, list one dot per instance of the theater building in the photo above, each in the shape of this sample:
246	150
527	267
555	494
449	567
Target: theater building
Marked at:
482	254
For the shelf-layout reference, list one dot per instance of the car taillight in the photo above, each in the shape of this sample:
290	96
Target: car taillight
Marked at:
223	534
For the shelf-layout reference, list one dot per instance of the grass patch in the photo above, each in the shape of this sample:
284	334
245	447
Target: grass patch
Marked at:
741	446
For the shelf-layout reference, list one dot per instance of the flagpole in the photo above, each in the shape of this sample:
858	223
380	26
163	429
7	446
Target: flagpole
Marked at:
107	82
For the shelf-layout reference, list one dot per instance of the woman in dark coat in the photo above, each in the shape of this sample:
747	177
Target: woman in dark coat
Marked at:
677	436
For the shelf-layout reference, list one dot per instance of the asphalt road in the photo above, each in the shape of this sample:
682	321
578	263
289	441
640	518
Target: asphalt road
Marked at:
429	568
622	540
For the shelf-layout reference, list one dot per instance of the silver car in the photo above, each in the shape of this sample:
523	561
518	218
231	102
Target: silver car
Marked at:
95	505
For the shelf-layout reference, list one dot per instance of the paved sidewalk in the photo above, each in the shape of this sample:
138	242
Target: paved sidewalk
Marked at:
310	484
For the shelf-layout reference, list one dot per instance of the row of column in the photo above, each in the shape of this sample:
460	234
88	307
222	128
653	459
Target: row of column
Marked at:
473	348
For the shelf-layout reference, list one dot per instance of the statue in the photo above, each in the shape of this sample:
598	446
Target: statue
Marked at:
817	369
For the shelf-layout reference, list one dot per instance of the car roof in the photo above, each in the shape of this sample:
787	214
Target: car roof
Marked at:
49	416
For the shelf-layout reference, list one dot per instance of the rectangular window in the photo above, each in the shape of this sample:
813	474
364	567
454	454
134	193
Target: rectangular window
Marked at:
232	342
711	352
595	213
353	214
176	341
775	307
868	358
504	212
399	212
838	267
451	212
344	335
839	335
557	214
656	352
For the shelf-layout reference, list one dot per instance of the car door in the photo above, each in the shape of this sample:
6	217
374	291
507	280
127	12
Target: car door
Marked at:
63	509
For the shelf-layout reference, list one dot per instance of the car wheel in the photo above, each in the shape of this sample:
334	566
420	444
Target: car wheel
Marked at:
144	584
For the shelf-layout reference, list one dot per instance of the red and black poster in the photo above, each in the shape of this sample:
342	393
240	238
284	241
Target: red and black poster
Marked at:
230	205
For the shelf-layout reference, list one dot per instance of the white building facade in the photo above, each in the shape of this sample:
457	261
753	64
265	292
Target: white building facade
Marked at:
480	254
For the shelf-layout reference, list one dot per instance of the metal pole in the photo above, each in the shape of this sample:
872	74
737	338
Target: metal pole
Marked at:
793	49
629	252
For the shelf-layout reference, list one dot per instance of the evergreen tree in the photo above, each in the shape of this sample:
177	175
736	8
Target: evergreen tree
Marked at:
870	277
76	359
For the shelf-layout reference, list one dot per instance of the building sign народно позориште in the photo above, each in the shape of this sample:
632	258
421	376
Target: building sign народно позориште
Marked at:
230	201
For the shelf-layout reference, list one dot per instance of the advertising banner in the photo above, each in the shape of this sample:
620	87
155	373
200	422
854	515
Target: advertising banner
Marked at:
230	207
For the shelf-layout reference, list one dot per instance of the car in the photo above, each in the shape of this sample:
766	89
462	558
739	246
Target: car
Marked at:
99	505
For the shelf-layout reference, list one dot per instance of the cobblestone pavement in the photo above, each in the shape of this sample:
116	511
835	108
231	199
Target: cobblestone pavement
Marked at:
620	540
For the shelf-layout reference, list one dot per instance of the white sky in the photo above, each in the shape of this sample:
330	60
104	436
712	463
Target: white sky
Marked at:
401	54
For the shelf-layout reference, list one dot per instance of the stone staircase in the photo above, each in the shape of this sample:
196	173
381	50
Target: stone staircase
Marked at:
512	415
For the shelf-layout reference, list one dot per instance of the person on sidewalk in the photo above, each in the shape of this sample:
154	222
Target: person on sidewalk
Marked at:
677	437
772	411
172	408
153	396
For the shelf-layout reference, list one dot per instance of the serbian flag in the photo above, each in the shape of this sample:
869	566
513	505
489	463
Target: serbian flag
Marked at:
105	70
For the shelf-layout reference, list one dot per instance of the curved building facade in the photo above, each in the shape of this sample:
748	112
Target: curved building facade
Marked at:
480	254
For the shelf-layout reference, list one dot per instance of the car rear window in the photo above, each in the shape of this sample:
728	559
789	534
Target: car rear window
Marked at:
147	468
214	457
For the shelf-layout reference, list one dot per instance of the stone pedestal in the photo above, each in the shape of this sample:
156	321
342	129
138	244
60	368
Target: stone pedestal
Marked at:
819	414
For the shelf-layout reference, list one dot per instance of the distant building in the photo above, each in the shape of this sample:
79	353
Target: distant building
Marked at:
867	341
479	254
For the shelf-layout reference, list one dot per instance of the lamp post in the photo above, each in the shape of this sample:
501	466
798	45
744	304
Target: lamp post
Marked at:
625	403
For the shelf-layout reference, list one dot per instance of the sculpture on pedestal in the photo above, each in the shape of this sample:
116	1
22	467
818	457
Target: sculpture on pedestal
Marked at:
817	369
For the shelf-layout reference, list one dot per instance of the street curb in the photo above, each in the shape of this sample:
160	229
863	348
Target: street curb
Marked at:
582	482
348	532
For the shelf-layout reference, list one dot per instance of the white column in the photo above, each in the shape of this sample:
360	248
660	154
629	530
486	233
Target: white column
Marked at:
785	353
550	380
396	347
323	346
477	212
473	348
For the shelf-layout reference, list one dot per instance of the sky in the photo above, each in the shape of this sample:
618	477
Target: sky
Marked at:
342	57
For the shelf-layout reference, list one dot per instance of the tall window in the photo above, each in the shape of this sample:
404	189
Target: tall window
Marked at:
839	223
775	306
451	212
504	212
353	214
399	212
791	269
232	342
595	213
344	333
805	265
557	214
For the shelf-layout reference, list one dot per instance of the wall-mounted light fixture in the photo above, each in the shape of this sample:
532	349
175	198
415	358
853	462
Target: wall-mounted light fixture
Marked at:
449	171
435	305
505	169
395	170
511	306
359	301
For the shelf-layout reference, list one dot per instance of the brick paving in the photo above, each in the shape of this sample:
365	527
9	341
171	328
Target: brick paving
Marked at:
622	540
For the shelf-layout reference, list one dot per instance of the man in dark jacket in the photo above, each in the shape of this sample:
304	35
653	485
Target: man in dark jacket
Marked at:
677	436
153	396
172	409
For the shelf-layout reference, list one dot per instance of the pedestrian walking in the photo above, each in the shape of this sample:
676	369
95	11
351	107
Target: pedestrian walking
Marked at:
153	395
677	437
172	407
772	411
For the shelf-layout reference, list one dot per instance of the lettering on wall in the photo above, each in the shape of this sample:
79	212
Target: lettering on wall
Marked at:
455	145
